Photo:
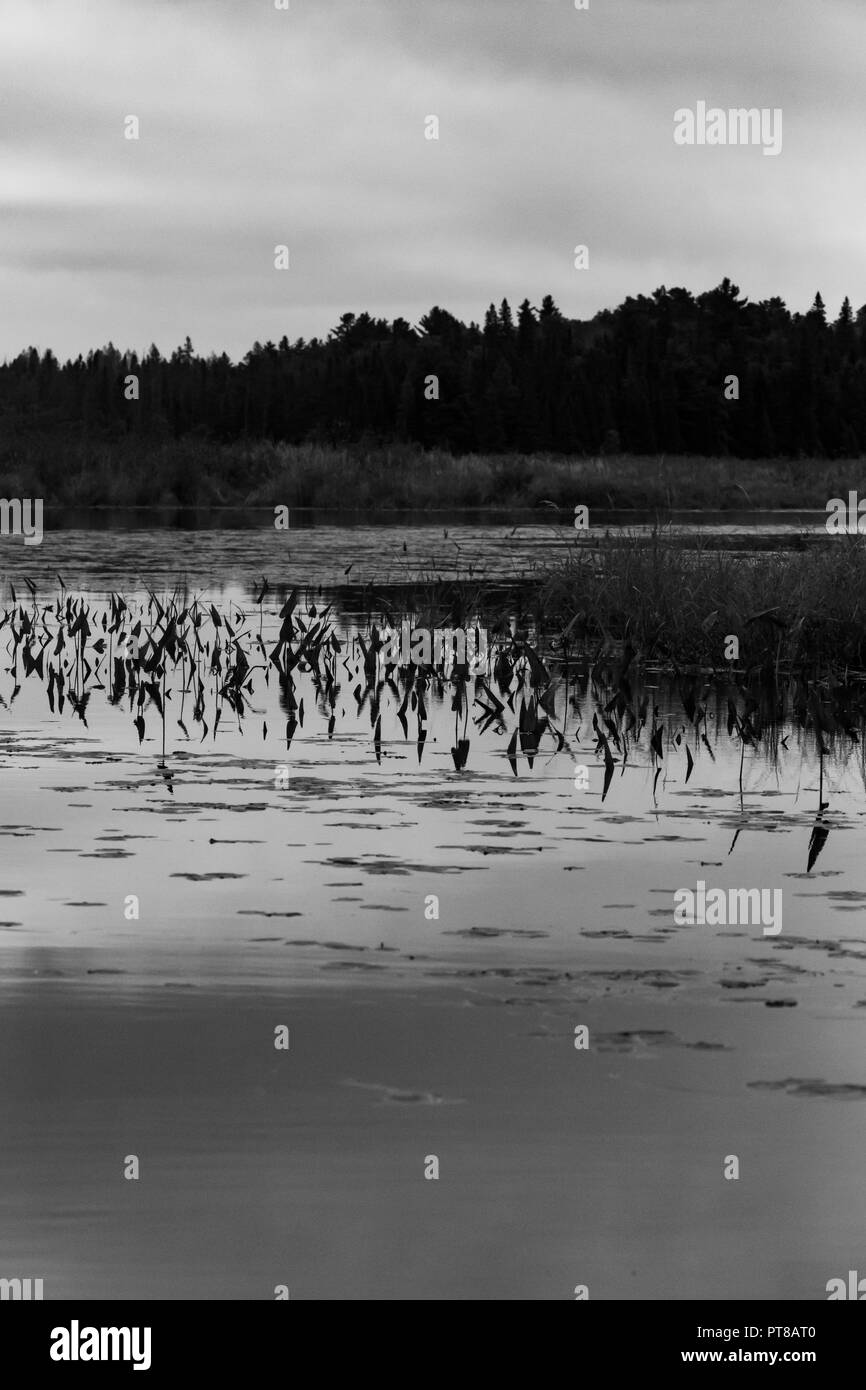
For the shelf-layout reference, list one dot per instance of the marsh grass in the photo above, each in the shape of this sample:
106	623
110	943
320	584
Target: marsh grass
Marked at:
194	471
679	604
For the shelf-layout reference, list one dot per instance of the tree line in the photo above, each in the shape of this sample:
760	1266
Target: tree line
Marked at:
709	374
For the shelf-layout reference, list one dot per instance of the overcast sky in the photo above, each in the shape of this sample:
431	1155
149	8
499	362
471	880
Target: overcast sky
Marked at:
260	126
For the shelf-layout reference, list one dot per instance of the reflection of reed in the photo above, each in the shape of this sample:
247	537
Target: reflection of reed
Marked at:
150	650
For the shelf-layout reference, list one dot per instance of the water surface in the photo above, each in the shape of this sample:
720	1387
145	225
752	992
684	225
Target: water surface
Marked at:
432	935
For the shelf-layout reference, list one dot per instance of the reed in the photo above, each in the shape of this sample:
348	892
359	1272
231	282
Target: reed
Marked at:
196	472
678	604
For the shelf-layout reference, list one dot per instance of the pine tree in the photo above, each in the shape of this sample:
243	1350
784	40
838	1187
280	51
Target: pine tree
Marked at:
506	322
817	310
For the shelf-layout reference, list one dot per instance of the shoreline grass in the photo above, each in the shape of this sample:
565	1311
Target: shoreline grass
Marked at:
787	610
191	471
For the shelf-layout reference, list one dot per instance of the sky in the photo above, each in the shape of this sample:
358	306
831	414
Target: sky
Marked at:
305	127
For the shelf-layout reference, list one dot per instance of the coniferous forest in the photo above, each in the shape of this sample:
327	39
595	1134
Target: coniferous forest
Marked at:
647	377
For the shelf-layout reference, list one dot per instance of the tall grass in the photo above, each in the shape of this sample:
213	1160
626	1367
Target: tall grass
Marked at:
680	604
192	471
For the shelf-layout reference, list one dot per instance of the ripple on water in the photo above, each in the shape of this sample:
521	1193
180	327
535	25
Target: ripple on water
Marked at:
813	1087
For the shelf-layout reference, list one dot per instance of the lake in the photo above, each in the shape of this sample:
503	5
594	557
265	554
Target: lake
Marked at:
433	919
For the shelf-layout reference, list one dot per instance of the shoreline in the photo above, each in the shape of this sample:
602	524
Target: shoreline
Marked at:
191	471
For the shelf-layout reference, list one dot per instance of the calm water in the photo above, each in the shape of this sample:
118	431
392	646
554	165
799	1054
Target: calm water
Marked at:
432	937
229	551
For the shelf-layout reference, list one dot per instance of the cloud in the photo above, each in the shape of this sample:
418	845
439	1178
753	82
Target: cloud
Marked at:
306	127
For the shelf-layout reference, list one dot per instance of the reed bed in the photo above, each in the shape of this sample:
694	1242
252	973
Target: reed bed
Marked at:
197	472
680	604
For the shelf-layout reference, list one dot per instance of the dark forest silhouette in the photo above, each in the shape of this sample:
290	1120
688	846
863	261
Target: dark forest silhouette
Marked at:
647	377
